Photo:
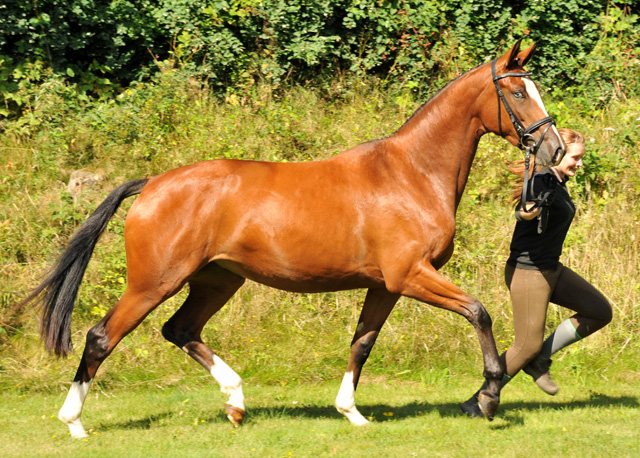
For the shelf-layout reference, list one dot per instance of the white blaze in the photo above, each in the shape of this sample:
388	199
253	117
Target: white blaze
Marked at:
532	91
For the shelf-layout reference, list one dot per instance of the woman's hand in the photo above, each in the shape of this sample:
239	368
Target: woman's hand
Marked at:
529	214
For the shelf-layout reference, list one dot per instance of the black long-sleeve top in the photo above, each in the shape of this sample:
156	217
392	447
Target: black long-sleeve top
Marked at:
541	251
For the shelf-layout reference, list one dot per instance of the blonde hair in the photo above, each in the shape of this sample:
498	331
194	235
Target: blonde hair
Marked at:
568	136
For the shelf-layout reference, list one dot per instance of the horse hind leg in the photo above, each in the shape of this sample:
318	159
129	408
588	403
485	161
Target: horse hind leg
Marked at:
375	311
208	293
130	310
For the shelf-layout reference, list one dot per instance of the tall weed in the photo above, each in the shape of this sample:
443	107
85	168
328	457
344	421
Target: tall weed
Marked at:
269	335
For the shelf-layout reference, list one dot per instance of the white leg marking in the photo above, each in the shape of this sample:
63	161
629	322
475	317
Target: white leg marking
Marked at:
346	401
72	409
230	382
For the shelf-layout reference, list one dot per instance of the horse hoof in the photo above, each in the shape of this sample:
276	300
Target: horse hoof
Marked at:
488	404
234	414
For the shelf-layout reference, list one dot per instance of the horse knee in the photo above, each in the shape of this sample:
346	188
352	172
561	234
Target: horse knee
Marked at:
478	316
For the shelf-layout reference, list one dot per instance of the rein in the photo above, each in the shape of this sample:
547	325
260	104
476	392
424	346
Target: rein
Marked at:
526	140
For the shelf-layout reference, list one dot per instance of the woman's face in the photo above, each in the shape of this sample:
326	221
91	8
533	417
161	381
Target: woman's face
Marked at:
572	160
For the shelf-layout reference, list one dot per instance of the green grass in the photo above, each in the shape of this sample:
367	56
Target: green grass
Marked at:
590	417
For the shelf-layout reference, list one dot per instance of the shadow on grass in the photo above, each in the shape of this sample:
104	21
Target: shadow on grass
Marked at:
141	423
380	412
510	412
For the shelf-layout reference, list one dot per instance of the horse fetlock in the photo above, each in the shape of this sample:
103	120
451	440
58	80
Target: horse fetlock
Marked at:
234	408
488	404
493	373
352	414
76	430
346	401
236	396
71	418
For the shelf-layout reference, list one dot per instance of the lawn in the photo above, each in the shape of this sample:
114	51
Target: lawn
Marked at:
590	417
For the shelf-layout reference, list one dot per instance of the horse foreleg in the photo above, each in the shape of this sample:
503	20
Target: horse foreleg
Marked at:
377	306
208	293
427	285
488	399
101	340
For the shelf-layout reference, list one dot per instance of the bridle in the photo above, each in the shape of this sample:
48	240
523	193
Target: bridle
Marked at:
526	140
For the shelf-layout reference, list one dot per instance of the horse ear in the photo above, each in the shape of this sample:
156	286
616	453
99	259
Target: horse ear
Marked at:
513	53
525	55
510	58
517	58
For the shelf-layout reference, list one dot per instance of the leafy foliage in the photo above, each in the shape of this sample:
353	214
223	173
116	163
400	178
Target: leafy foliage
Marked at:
231	45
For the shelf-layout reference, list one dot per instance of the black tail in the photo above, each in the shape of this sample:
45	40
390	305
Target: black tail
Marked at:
60	288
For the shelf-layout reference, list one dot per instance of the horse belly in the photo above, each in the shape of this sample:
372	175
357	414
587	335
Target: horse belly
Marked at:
302	282
299	251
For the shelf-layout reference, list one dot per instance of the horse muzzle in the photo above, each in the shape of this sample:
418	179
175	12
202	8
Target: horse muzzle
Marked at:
548	153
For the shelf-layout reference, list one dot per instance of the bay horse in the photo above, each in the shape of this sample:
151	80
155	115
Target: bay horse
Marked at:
379	216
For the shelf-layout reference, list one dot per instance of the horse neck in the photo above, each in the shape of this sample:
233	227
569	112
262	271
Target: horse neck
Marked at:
440	140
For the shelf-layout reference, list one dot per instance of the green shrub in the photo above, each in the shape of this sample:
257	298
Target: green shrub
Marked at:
586	47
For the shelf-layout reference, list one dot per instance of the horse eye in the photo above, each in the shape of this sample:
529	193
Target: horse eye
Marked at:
519	95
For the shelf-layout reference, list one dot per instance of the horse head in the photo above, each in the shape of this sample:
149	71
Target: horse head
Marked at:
517	112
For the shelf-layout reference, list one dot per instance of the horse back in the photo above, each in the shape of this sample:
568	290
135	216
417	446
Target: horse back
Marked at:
323	225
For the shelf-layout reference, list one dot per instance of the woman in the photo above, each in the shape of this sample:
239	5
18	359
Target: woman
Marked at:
535	277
